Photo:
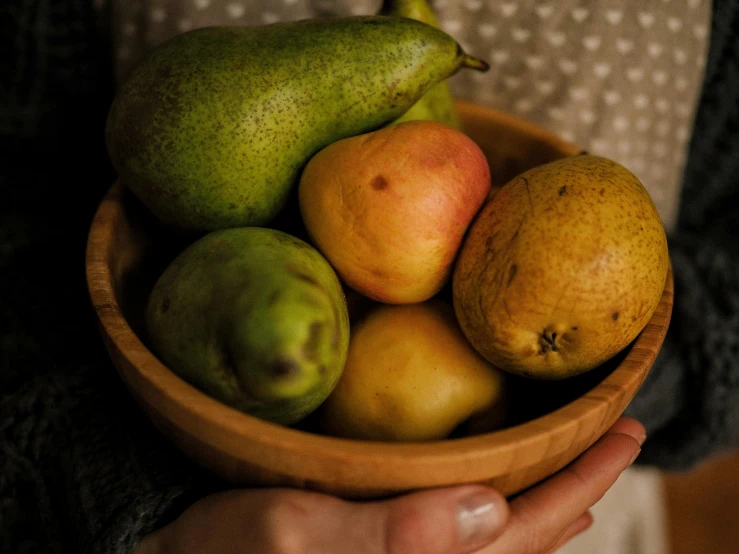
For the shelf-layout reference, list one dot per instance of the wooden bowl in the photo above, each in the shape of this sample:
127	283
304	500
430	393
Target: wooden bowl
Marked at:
126	253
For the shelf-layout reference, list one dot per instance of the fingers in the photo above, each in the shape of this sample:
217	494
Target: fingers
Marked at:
629	426
442	521
457	520
580	525
462	520
541	515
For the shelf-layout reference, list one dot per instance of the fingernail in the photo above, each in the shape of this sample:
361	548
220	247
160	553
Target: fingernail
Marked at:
636	455
479	516
641	438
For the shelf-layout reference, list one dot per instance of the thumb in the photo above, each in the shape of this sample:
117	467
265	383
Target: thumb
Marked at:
287	521
455	520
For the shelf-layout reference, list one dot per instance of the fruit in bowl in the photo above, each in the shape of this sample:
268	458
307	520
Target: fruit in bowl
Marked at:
562	269
253	332
389	208
212	128
254	317
410	375
547	424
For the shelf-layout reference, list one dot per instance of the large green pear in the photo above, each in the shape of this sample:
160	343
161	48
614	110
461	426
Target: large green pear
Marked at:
438	103
212	129
254	317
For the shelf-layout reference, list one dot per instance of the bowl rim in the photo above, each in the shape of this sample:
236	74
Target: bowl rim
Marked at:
245	436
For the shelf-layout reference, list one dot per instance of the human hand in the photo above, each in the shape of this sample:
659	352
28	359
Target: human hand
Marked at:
454	520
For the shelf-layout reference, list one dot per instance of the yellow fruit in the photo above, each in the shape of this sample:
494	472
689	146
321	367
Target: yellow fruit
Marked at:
562	268
410	375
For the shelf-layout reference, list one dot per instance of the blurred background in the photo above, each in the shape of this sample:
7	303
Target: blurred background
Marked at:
702	507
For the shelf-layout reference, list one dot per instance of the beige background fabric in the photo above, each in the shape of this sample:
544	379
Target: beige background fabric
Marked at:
620	77
629	519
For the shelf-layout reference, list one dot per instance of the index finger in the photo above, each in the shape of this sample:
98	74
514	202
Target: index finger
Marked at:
540	515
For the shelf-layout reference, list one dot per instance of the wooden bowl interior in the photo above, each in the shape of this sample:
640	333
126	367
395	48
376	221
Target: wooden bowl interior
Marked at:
549	423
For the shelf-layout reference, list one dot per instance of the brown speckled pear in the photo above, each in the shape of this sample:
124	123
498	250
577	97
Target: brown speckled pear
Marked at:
562	268
212	129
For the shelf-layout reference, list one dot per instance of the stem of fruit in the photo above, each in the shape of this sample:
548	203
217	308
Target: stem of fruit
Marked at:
474	63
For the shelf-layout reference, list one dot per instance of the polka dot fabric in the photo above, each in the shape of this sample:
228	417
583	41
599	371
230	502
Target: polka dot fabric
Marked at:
140	24
619	77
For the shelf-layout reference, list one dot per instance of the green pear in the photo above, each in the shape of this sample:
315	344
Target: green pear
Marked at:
438	103
212	128
254	317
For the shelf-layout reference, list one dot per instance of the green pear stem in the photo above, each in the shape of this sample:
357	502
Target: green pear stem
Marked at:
475	63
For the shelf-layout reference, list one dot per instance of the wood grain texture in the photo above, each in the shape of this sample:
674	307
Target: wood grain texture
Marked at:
125	254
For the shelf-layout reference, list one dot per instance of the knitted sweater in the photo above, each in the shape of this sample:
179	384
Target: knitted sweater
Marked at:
82	469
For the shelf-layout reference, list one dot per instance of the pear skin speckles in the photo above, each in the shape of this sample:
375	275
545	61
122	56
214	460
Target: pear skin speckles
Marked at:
213	127
591	259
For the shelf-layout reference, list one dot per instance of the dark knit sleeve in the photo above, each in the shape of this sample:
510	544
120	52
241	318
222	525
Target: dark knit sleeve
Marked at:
81	468
690	401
